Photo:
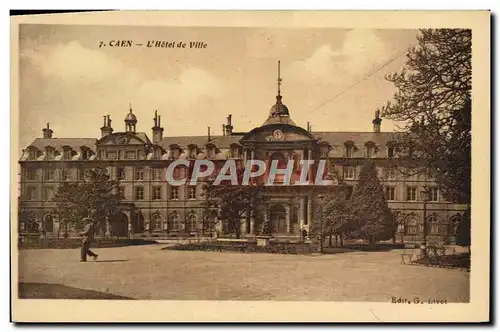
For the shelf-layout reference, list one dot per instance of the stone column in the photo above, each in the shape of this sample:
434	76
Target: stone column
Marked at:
309	210
288	210
245	155
301	212
252	225
252	154
266	217
311	169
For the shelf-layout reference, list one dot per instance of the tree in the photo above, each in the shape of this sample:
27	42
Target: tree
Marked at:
96	197
462	236
432	104
337	214
372	219
232	202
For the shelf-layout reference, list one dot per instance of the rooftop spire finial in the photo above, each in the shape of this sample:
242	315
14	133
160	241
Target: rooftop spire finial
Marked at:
130	106
279	79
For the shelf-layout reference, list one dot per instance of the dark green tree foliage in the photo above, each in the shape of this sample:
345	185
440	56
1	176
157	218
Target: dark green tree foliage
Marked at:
433	107
96	197
372	219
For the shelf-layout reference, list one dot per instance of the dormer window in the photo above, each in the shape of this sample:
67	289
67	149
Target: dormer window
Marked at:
235	151
67	155
391	150
49	153
192	151
349	149
85	153
157	153
324	150
369	150
175	151
210	151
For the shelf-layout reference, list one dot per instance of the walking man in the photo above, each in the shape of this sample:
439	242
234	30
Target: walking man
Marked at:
87	238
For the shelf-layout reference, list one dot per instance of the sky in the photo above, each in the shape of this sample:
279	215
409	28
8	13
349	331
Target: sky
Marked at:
68	80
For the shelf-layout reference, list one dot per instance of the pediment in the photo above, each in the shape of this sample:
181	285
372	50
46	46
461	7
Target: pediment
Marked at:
121	139
278	133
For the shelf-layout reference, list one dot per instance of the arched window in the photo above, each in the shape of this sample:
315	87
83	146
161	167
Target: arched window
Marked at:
432	224
453	225
156	222
191	222
411	225
175	224
48	223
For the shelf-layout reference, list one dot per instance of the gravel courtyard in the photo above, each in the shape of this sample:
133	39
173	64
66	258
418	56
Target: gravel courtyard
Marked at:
147	272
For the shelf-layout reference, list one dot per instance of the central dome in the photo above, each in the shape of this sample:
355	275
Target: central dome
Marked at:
278	109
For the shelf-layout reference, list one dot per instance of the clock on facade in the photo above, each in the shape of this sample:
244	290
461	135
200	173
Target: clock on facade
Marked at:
122	140
278	134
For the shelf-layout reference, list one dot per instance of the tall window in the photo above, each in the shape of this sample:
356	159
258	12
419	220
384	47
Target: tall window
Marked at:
434	194
139	193
432	222
175	222
48	193
121	191
156	222
139	173
31	174
390	151
390	193
49	153
120	173
411	193
85	154
390	174
411	226
156	192
32	154
453	225
369	150
191	222
174	193
349	149
192	192
350	172
157	172
64	175
31	193
48	174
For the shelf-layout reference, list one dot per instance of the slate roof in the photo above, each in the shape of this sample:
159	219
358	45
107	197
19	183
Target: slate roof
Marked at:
58	143
336	140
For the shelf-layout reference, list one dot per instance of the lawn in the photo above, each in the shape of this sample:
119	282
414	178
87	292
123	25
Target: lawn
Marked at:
148	272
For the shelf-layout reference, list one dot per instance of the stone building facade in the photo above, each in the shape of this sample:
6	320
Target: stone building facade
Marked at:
153	207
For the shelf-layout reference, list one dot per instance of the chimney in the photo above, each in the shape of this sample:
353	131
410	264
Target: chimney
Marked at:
377	122
106	129
223	130
157	129
209	133
47	132
308	126
229	127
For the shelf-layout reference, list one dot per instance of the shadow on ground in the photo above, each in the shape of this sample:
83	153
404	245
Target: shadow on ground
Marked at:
57	291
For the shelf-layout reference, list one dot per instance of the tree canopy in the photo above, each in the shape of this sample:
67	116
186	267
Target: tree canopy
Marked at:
372	218
96	197
432	106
